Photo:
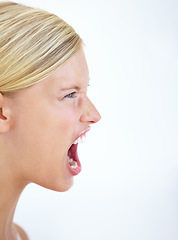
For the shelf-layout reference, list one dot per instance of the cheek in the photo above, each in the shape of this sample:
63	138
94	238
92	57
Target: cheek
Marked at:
40	138
44	138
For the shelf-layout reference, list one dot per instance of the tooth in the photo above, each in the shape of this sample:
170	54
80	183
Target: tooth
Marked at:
75	165
83	138
72	163
76	141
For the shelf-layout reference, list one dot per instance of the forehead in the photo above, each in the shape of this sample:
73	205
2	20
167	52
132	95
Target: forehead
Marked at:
74	71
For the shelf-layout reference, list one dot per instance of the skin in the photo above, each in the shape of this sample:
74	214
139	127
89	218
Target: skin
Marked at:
37	127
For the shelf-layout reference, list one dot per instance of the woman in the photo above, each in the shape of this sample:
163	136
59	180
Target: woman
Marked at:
44	108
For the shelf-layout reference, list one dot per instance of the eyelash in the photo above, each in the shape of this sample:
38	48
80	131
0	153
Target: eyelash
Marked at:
71	95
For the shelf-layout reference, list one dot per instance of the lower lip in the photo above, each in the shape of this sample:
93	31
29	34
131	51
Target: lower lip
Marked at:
75	171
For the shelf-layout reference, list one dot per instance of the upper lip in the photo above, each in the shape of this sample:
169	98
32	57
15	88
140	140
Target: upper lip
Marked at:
82	133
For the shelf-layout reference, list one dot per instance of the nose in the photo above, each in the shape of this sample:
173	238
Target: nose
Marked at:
90	113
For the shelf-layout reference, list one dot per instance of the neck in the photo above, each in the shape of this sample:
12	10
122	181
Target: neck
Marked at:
10	192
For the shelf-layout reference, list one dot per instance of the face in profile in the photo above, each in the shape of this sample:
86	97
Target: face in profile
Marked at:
46	121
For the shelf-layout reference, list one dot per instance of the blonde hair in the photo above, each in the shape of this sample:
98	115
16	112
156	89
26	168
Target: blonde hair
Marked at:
33	44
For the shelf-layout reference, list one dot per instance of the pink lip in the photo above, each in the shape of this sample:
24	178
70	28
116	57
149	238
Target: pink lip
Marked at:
83	133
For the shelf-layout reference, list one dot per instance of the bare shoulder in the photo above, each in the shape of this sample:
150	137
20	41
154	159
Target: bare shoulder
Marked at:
21	232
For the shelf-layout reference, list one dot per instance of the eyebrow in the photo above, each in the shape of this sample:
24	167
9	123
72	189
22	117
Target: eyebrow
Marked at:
72	87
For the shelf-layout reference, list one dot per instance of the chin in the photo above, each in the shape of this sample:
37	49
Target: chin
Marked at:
62	188
59	186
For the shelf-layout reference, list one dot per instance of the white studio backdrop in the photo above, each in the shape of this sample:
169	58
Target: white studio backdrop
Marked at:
127	189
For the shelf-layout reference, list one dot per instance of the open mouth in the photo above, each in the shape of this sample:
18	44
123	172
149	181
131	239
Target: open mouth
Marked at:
73	160
72	155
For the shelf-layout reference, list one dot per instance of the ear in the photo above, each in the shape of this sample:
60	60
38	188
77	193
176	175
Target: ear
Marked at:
5	116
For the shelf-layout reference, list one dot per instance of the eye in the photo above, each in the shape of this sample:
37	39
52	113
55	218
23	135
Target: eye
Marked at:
71	95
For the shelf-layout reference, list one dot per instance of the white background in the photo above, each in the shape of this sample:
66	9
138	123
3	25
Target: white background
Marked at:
128	186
